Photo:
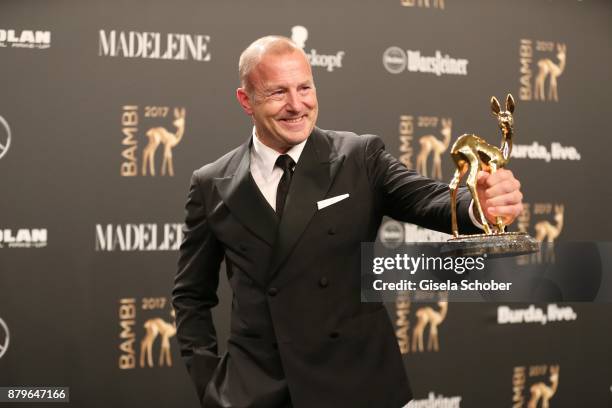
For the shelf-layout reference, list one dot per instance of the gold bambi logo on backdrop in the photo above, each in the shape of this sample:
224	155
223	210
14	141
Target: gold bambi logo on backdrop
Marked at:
471	154
416	324
547	69
544	392
539	81
547	231
428	316
154	328
431	145
168	139
164	138
145	319
540	393
436	136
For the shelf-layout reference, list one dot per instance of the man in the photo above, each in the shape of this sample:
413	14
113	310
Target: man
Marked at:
300	337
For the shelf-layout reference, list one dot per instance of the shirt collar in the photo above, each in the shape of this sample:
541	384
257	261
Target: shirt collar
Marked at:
266	156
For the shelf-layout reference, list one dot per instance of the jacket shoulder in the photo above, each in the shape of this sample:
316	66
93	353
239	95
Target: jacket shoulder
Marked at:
350	143
220	167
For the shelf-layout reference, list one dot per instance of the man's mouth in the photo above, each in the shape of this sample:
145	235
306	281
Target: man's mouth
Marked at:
294	120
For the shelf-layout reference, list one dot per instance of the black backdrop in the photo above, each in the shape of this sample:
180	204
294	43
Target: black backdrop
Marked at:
88	240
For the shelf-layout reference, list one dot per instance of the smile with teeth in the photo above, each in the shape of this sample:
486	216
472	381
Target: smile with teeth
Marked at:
293	120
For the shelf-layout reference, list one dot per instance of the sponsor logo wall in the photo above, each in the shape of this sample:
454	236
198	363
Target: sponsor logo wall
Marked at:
105	113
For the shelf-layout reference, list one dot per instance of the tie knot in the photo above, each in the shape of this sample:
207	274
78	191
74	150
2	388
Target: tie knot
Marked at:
285	162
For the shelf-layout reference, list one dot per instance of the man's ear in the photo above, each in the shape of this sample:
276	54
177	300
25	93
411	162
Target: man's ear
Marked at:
244	101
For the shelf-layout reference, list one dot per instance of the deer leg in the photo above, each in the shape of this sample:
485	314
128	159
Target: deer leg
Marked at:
553	96
498	220
453	192
436	170
471	183
144	163
170	165
151	163
421	165
143	349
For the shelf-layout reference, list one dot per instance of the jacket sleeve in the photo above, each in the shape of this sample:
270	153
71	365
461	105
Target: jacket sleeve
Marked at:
195	290
407	196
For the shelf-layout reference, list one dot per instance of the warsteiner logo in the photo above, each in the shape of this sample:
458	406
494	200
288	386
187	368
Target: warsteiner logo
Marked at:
425	319
436	401
151	320
541	65
396	60
433	142
135	162
535	385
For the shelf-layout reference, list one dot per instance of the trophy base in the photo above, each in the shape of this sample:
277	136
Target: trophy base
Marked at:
493	245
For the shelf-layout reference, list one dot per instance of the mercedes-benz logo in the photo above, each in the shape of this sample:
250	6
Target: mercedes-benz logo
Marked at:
5	137
4	337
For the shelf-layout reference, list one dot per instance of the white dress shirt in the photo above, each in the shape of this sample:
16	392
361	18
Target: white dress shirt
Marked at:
263	169
267	175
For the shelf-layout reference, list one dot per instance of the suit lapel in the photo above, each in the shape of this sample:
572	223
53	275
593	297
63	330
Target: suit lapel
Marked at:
314	174
244	199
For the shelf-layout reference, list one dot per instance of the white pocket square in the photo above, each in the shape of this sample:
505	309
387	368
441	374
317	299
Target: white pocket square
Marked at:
329	201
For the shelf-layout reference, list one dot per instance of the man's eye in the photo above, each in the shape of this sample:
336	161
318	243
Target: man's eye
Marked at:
279	92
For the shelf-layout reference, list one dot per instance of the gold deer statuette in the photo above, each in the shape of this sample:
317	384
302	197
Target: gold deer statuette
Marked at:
472	153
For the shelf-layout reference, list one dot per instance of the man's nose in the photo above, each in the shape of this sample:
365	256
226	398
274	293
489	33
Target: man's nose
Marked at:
294	101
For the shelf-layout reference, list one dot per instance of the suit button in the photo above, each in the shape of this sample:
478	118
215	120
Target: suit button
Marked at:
275	346
242	248
272	291
334	335
323	282
331	231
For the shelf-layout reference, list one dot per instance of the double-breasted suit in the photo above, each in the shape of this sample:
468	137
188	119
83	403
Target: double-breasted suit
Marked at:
298	326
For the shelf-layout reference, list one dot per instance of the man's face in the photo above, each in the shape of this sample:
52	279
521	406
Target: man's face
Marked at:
283	100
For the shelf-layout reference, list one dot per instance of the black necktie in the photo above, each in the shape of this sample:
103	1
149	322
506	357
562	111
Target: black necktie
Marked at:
286	163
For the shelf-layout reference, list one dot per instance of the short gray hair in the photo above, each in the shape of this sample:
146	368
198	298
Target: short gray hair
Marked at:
250	57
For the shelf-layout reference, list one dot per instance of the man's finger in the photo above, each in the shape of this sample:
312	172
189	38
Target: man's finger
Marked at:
511	198
499	176
506	211
502	187
482	178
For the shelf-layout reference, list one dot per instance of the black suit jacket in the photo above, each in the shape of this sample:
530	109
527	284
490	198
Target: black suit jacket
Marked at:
297	320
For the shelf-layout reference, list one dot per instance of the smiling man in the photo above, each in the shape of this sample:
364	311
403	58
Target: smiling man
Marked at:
287	211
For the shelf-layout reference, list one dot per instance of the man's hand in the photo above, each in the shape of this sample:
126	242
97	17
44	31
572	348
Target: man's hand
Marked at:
499	195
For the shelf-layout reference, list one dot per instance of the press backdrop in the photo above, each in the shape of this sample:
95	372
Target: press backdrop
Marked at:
107	107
